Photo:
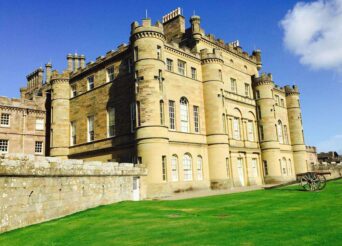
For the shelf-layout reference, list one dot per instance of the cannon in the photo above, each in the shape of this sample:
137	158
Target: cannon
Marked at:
312	181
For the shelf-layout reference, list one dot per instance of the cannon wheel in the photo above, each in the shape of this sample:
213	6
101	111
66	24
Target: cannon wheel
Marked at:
323	181
311	182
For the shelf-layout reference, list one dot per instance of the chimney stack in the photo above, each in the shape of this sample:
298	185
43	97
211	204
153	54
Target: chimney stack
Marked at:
70	62
48	68
82	61
76	62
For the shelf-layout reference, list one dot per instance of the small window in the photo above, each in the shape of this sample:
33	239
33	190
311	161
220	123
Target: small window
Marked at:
138	113
136	53
91	135
259	112
174	168
73	90
90	82
160	79
164	171
133	116
111	122
265	168
233	85
181	67
261	133
257	94
161	106
193	73
169	65
172	117
196	118
110	73
129	65
5	119
199	168
40	124
3	145
38	147
159	55
247	89
73	133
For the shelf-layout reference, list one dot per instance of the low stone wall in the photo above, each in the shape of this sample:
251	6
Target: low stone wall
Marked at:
34	190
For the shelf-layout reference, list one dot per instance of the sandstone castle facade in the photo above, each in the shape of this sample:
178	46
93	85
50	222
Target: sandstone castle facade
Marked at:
192	108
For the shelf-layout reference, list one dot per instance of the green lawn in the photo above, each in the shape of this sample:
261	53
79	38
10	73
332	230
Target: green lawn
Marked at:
284	216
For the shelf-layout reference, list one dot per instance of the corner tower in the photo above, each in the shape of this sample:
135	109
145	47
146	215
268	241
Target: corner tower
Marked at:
151	133
296	129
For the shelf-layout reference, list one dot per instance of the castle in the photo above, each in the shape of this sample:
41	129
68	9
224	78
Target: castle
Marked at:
192	108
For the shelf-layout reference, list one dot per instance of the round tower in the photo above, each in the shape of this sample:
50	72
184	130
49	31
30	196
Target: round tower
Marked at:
151	133
195	22
269	144
296	129
217	138
60	121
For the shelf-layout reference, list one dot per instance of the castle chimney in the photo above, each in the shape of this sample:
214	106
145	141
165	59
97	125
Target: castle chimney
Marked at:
82	61
174	24
70	62
76	62
195	21
40	77
48	68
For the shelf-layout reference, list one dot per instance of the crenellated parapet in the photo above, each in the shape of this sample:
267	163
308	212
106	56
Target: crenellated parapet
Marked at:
35	79
291	90
215	57
264	79
147	30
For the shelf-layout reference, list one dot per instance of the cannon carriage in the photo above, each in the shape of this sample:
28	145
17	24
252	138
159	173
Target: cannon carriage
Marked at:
312	181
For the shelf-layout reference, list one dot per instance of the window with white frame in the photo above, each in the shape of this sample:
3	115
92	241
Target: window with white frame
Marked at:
90	82
111	122
110	73
5	119
184	114
38	147
91	135
174	168
250	130
181	67
280	132
40	124
193	73
187	167
164	170
254	172
3	145
172	117
169	65
161	106
236	129
196	118
133	116
199	168
73	90
73	133
233	85
247	90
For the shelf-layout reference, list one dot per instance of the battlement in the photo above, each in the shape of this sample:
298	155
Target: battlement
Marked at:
290	90
215	56
145	26
37	103
311	149
263	79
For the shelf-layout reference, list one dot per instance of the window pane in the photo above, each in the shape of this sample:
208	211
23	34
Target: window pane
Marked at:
174	168
187	168
196	118
5	119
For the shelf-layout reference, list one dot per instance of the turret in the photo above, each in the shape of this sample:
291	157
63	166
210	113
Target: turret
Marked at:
217	138
147	43
60	121
48	68
263	87
195	21
296	128
257	55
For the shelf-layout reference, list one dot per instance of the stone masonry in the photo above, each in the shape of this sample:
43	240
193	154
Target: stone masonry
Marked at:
37	189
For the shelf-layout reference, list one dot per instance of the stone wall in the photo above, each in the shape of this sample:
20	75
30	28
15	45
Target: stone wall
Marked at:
37	189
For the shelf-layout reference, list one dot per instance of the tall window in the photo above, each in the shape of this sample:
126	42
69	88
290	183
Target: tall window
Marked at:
283	166
174	168
233	85
265	168
138	113
187	167
193	73
40	124
130	65
227	167
110	73
280	132
159	56
164	170
133	116
184	114
257	94
172	115
181	67
73	90
169	65
111	122
136	53
199	168
90	82
286	136
91	128
3	145
160	78
161	106
196	118
73	133
38	147
254	167
259	112
250	130
5	119
236	129
261	133
277	99
247	90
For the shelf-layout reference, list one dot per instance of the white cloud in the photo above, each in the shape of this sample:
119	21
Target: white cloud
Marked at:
313	31
334	143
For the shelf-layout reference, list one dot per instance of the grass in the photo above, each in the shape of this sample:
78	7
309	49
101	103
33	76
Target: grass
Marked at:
284	216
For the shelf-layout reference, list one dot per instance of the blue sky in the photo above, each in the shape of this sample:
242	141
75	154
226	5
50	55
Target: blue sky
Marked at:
35	32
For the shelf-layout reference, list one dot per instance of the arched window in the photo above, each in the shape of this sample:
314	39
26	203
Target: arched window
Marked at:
174	168
284	166
199	168
280	132
187	167
236	128
286	136
184	114
290	167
